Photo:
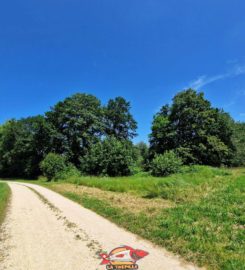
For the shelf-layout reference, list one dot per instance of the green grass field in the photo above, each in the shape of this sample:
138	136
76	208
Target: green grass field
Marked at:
199	213
177	187
4	196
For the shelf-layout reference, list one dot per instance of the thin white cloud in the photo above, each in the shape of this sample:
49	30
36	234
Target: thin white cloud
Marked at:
236	96
204	79
238	70
231	103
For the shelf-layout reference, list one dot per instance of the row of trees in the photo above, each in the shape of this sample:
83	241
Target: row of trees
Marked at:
73	128
97	139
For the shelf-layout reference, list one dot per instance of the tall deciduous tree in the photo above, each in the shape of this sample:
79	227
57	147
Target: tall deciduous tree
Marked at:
23	144
195	130
77	123
119	122
111	157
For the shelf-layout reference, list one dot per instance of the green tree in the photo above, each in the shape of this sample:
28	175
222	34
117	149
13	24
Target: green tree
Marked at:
23	144
239	142
77	123
142	155
111	157
198	132
119	122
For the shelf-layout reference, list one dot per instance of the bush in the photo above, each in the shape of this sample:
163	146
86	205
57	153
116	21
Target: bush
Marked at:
68	172
165	164
111	157
52	165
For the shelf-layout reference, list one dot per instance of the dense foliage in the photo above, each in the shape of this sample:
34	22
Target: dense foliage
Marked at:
142	155
52	165
166	164
198	132
72	128
77	123
97	139
118	120
239	142
109	157
23	144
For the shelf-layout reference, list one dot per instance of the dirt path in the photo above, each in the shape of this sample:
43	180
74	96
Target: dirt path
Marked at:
45	231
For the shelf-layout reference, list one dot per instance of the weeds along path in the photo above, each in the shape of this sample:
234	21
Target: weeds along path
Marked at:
44	230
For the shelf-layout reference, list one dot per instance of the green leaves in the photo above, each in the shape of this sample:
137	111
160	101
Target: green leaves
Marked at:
191	123
52	165
23	145
118	120
80	121
238	139
111	157
77	123
75	128
165	164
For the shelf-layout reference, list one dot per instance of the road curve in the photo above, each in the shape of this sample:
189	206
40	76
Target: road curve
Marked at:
45	231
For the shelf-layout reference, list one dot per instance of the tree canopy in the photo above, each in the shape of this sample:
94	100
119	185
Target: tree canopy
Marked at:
23	144
97	139
198	132
76	123
71	128
119	122
111	157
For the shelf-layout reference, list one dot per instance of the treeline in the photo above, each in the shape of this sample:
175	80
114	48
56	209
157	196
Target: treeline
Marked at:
80	135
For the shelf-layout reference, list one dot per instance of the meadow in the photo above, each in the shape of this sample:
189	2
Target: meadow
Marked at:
198	213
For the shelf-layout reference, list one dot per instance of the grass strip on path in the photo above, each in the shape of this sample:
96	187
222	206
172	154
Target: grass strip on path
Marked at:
4	197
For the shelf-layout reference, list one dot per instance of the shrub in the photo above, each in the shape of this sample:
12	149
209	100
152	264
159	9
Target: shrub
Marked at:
165	164
52	165
111	157
68	172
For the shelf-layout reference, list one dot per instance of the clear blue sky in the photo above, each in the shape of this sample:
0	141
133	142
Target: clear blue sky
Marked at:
144	50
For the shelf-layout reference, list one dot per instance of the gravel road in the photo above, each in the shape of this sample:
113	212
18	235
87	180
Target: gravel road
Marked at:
45	231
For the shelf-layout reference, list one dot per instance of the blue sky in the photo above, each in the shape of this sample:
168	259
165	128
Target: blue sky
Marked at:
144	50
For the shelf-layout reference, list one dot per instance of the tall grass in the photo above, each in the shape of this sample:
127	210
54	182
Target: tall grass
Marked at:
176	187
4	197
206	225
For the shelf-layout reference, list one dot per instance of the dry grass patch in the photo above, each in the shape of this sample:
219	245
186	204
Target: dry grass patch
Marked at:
124	201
